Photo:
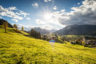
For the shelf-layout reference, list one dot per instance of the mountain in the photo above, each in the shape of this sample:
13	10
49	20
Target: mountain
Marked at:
42	31
78	30
1	23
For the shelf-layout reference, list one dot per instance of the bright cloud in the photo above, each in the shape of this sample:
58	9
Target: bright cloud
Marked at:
10	12
12	8
23	13
26	27
47	26
35	5
15	20
47	0
55	8
62	11
28	18
40	22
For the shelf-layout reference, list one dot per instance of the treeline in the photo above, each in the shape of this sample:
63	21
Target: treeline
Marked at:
35	34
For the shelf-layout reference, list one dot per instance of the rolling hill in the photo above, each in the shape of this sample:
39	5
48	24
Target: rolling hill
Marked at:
15	48
78	30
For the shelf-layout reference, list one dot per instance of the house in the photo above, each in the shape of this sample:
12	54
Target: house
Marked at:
90	40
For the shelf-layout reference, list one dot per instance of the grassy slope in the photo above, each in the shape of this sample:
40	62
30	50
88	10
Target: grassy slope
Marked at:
15	48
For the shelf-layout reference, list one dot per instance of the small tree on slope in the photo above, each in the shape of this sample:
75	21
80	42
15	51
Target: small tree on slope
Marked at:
22	28
5	24
15	26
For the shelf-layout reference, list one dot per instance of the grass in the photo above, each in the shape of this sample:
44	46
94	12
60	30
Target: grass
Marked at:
15	48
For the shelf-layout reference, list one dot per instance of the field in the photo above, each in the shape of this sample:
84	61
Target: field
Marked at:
15	48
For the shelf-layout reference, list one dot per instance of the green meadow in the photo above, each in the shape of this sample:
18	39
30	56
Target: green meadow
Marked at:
16	48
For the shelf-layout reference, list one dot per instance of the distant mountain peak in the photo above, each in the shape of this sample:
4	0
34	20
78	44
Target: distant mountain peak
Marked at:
42	31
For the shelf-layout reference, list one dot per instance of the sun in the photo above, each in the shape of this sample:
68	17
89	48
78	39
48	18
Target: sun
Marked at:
47	16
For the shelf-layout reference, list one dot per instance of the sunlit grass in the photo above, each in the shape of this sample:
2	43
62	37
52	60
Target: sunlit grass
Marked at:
15	48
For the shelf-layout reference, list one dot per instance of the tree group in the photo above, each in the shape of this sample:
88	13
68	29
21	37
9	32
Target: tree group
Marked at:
35	34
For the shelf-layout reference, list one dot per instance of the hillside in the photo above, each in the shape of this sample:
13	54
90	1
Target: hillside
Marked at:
78	30
2	21
15	48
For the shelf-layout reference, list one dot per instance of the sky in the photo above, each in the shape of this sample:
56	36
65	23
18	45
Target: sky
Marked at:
48	14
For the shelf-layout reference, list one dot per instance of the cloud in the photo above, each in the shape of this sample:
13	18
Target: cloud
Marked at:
40	22
15	20
26	27
35	5
23	13
13	13
28	18
12	8
63	10
55	8
84	14
43	25
47	0
78	3
48	27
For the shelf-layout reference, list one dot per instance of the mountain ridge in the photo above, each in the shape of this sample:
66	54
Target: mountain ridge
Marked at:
77	30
